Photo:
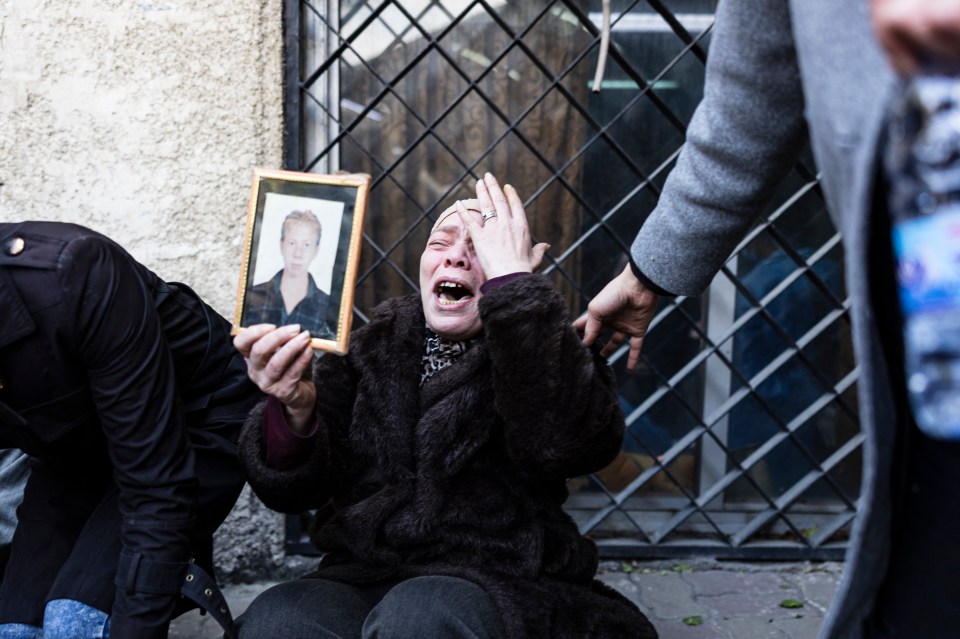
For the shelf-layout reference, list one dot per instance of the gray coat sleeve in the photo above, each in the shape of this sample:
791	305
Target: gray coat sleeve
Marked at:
743	139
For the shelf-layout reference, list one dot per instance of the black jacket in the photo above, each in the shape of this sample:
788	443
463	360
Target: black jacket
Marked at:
466	475
128	394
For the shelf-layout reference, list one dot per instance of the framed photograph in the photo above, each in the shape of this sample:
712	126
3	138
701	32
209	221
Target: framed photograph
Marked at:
300	254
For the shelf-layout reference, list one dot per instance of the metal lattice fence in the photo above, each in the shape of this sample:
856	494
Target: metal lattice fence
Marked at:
742	436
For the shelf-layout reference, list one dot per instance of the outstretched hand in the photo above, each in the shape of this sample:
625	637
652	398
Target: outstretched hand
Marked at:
278	362
915	33
624	306
502	241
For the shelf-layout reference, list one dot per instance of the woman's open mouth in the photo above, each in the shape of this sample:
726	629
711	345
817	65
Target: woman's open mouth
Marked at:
450	293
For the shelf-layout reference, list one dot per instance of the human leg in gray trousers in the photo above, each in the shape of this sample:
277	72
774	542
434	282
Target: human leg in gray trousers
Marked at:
436	607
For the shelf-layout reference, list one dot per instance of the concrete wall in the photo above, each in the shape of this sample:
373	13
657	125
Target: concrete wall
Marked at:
143	119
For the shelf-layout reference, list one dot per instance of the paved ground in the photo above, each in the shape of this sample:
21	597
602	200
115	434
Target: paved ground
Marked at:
695	599
713	600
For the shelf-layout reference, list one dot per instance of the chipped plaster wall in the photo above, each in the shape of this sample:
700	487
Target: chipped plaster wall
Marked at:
142	119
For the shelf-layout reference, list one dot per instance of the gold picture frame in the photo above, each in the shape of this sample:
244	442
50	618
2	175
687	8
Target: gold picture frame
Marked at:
300	253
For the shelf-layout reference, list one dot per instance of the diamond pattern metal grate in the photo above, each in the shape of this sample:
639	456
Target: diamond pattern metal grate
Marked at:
742	436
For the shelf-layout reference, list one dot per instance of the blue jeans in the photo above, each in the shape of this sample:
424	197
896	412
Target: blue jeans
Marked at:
13	476
63	619
434	607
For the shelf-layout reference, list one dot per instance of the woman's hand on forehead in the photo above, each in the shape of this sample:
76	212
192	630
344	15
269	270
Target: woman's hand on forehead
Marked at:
500	233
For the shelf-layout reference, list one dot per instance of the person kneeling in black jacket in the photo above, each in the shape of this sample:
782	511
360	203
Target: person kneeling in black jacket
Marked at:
127	394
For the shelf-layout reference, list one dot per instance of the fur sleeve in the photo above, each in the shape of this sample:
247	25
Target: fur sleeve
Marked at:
290	491
558	398
323	474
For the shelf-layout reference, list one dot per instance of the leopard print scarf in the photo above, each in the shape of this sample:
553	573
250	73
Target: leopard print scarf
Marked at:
440	353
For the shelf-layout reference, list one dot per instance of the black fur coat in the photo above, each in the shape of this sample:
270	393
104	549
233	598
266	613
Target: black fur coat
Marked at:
466	475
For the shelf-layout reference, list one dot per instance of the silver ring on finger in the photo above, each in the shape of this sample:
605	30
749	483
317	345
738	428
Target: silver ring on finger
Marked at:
487	214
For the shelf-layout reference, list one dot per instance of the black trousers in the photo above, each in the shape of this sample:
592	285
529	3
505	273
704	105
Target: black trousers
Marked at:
427	606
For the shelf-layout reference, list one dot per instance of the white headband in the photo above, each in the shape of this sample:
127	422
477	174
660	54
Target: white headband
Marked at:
470	205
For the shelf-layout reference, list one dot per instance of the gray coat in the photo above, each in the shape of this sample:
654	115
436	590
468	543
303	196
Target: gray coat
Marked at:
776	72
